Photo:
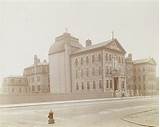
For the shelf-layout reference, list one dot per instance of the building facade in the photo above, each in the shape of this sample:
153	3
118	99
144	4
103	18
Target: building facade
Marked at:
15	85
37	76
94	68
99	68
35	79
145	76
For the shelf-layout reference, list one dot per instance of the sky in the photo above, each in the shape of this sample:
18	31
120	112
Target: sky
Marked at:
28	28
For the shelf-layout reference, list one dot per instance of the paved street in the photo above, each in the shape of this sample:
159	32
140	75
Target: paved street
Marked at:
92	113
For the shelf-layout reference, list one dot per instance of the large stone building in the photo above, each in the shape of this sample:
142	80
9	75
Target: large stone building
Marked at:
94	68
98	68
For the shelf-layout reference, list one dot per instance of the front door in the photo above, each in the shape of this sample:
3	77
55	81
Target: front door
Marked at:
115	83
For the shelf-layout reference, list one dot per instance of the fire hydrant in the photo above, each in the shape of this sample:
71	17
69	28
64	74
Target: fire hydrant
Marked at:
51	119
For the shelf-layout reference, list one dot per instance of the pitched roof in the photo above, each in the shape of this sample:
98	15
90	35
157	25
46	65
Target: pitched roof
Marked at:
99	45
147	60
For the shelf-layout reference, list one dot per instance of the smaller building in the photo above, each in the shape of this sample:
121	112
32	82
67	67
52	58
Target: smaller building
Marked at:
15	85
145	76
37	76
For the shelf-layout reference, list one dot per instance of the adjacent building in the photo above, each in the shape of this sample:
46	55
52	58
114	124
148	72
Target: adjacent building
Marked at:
37	76
15	85
145	76
35	79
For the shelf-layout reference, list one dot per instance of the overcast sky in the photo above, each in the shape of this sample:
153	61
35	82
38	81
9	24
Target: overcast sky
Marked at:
28	28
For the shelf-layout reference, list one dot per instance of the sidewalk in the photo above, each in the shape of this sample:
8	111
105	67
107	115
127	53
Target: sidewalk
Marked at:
147	118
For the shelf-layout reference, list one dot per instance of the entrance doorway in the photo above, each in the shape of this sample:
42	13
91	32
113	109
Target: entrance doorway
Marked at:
115	83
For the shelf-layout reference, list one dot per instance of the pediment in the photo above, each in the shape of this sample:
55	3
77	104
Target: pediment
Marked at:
115	45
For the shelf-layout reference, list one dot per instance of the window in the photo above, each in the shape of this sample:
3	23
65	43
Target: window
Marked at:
38	78
76	62
12	80
76	74
12	90
111	84
143	69
122	60
77	87
94	85
93	58
26	90
81	73
122	84
99	57
100	83
107	84
119	59
110	57
32	79
107	70
110	70
87	60
100	71
144	77
20	90
19	81
81	61
106	57
88	85
82	86
87	72
33	88
93	71
38	87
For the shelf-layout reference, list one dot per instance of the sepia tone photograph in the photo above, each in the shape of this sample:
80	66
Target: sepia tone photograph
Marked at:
79	63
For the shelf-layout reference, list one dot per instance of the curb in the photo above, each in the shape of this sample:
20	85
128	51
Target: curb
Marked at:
141	124
69	102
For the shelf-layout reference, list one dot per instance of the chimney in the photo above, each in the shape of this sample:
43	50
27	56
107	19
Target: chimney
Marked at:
88	43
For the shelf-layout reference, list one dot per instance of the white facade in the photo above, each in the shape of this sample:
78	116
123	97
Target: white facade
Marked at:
59	63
